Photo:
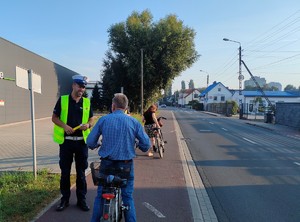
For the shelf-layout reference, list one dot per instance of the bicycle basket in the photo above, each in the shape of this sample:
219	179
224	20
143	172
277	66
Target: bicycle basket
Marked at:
99	178
96	176
121	170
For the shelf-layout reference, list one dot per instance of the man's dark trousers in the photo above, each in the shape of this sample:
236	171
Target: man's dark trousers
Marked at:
68	150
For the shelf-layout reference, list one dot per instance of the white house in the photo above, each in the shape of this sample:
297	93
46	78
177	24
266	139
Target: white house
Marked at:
215	93
187	95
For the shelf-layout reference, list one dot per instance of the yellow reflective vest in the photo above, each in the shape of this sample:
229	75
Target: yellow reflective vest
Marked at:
59	132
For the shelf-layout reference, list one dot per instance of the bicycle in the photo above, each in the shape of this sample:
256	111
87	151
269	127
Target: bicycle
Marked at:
159	139
112	180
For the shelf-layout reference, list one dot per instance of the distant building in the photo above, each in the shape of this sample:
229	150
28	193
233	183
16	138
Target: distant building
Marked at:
250	82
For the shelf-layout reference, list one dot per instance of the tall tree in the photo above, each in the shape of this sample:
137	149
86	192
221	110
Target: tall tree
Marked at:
168	49
96	102
290	88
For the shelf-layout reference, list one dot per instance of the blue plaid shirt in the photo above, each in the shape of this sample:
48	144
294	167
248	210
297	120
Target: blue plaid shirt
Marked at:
119	132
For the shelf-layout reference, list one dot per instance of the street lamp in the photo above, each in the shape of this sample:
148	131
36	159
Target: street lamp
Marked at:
241	77
207	79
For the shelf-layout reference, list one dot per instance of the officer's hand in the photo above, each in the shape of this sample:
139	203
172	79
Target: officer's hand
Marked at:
85	126
68	130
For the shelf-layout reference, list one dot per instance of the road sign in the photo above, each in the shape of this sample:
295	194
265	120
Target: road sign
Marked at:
28	80
22	80
1	75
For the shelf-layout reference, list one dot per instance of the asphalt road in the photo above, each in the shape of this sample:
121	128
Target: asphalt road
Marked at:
250	173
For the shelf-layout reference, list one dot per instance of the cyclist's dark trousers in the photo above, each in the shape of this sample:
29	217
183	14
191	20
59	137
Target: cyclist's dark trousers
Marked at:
68	150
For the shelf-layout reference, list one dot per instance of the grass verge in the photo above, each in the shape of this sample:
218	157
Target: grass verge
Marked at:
22	197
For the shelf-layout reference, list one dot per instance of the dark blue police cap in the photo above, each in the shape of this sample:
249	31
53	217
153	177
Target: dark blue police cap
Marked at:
80	80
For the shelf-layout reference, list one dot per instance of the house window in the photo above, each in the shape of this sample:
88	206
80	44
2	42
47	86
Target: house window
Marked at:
219	89
215	98
222	98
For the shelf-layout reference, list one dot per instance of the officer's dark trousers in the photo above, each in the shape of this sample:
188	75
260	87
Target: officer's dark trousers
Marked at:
68	151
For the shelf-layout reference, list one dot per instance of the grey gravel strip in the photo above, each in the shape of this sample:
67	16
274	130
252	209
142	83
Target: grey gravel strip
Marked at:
200	203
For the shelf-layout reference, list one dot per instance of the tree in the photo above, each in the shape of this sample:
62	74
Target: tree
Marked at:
265	87
290	88
85	94
96	102
168	49
234	107
191	84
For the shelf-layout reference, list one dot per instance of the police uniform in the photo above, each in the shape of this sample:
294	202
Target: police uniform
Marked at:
73	114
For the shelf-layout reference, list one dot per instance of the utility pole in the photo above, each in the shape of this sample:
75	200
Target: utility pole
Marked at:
142	82
207	80
241	77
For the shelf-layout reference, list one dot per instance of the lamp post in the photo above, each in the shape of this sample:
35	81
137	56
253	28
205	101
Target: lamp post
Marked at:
207	78
241	77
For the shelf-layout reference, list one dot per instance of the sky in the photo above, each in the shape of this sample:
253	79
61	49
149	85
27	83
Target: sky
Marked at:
74	35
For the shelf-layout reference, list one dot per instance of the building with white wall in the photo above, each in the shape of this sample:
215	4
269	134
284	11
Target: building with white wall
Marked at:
187	95
215	93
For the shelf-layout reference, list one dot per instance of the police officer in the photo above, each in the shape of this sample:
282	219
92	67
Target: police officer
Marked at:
73	118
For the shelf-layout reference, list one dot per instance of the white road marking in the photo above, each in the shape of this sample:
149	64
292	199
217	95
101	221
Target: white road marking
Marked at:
224	129
250	141
153	210
297	163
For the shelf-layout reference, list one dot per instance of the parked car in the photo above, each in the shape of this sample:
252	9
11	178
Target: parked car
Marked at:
163	106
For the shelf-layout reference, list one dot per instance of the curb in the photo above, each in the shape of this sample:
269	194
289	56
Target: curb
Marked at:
257	125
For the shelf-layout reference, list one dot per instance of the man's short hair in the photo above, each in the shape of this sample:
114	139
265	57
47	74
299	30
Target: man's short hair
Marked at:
120	100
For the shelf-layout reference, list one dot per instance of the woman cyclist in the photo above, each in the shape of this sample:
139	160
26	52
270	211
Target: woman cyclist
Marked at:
150	122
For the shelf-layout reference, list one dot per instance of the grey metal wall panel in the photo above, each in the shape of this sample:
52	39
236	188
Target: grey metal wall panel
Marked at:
56	80
288	114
